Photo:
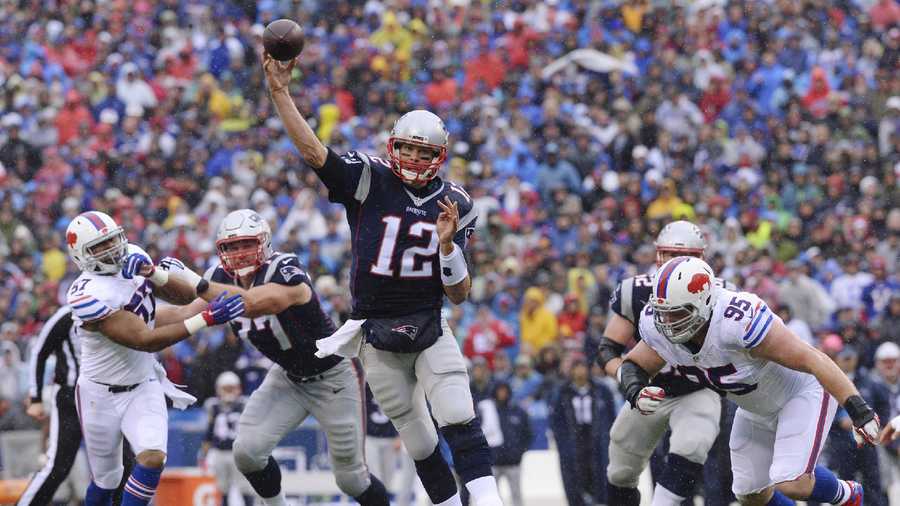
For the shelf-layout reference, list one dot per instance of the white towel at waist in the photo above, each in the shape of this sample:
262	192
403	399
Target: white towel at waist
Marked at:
180	398
346	341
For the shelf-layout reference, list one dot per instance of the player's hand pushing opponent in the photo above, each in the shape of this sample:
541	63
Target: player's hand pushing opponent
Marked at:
447	223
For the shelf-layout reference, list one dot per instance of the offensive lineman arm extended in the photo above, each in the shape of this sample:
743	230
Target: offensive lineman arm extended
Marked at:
278	74
617	335
783	347
270	298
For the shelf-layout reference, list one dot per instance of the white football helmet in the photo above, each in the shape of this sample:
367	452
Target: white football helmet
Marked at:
679	238
420	128
684	295
96	243
237	227
228	386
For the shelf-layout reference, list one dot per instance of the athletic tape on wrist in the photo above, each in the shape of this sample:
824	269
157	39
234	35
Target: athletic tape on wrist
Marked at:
453	267
195	323
159	277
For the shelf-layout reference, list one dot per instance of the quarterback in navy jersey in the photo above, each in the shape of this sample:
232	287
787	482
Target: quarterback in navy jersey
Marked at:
409	228
284	321
690	411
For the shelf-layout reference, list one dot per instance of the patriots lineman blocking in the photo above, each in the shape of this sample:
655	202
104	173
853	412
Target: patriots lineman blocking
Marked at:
408	231
691	411
283	319
787	392
121	389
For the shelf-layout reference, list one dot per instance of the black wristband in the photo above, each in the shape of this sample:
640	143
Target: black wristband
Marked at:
859	410
202	286
633	379
608	350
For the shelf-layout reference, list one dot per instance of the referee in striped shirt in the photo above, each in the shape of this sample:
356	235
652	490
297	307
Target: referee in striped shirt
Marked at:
57	338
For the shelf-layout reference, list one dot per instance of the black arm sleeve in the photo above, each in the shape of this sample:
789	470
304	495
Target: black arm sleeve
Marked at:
632	379
53	333
608	350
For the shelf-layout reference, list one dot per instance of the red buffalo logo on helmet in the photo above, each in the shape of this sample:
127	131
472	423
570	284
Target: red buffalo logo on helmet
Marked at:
71	238
698	282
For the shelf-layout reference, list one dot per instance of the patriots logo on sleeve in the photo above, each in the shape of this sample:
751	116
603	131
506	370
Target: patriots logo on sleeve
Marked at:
289	271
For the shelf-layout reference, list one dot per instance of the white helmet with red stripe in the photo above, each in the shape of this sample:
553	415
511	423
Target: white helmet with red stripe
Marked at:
679	238
96	243
684	296
244	242
418	128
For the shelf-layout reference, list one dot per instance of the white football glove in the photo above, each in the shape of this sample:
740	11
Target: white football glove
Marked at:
891	431
868	433
649	399
177	267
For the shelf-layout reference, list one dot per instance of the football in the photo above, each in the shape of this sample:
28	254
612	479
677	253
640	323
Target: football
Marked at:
283	39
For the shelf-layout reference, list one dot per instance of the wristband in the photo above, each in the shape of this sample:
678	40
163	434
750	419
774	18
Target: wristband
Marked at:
859	410
159	277
453	267
195	323
202	286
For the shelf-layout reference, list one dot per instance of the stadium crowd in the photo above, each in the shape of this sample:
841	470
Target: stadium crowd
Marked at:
773	125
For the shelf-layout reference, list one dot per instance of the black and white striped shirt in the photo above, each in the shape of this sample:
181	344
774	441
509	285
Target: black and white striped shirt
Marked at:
57	338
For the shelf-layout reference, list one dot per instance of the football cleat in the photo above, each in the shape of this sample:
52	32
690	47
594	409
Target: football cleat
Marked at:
856	494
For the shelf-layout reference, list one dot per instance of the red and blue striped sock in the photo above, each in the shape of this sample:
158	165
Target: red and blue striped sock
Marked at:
828	488
141	486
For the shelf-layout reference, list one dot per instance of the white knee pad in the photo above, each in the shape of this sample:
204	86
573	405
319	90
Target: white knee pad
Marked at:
352	482
110	479
247	458
624	469
451	399
419	437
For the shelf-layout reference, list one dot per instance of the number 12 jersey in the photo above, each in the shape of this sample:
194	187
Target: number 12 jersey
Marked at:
395	269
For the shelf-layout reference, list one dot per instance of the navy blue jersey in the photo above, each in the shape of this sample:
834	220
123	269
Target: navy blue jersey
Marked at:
222	421
395	269
288	338
628	301
377	423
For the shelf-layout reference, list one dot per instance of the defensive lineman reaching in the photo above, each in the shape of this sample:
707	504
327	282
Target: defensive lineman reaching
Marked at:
121	389
691	411
787	392
407	244
283	319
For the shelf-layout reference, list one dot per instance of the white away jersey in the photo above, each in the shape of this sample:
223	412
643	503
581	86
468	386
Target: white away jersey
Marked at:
94	297
740	322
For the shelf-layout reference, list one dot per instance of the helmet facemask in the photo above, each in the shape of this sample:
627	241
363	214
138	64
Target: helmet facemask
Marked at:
419	170
679	323
106	254
664	254
243	255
